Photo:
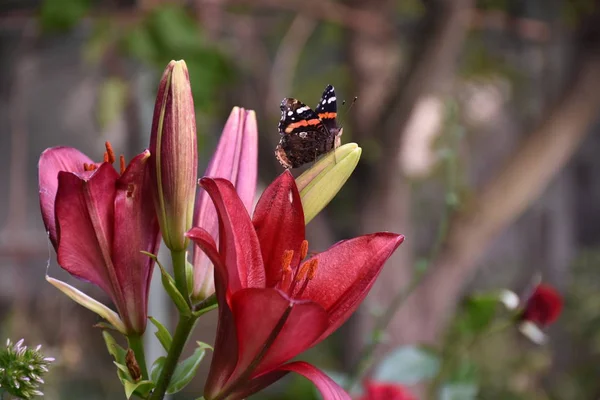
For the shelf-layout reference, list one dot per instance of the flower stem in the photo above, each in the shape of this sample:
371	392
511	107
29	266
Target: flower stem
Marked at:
178	259
182	333
136	343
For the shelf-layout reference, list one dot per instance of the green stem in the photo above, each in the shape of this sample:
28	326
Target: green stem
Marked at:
182	333
206	305
178	259
136	343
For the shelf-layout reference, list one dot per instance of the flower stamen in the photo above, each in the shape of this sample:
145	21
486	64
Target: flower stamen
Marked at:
303	249
307	273
286	270
122	163
109	156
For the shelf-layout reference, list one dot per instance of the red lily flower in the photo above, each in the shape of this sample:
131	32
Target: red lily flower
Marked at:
98	221
273	306
386	391
544	306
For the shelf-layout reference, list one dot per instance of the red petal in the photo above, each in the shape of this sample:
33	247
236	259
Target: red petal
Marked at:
347	271
258	312
544	306
328	388
257	384
51	162
84	216
136	229
235	159
279	222
238	243
226	349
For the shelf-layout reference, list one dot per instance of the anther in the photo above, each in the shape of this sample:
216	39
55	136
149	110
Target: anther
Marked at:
286	259
303	270
105	159
303	249
89	167
110	154
312	270
122	163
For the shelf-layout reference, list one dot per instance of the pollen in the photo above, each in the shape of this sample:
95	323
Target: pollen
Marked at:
122	163
109	156
305	269
89	167
286	260
303	249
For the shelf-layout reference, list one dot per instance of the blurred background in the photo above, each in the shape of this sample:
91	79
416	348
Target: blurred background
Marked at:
479	127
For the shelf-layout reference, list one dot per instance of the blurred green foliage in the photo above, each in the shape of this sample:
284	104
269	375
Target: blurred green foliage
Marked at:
62	15
169	33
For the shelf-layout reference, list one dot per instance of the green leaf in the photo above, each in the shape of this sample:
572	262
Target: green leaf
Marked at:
162	334
478	313
407	365
185	370
114	349
141	388
169	285
156	368
118	354
458	391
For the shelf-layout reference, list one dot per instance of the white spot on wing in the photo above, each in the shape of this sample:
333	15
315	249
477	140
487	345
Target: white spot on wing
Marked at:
302	109
290	113
303	135
331	100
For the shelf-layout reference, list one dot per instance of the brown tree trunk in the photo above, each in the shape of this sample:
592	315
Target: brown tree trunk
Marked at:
501	202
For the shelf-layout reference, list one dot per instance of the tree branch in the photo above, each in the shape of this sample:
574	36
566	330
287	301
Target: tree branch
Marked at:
505	198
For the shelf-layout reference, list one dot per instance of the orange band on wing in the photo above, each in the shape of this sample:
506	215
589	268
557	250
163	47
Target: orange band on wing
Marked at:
299	124
327	115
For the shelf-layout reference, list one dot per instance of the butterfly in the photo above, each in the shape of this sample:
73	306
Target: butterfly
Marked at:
307	134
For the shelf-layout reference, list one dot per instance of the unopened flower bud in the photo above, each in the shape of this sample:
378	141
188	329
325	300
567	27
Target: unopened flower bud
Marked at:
174	155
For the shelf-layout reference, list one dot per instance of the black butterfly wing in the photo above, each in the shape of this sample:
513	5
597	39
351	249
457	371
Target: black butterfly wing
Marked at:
304	137
327	110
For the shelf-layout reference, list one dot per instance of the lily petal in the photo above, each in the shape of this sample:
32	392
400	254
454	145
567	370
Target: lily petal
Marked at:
238	243
136	229
287	328
282	229
235	159
328	388
84	215
90	303
226	347
52	161
346	272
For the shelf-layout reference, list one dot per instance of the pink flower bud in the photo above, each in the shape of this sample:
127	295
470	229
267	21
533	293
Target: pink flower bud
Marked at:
174	157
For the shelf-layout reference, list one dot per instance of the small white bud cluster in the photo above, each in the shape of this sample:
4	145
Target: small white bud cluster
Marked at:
21	369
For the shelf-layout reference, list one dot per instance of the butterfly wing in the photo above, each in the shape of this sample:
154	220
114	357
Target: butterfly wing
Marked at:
327	110
304	137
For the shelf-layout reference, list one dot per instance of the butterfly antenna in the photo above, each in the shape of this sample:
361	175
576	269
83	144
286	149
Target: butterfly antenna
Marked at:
342	116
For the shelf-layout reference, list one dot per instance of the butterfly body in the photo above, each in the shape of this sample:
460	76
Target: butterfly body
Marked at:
307	134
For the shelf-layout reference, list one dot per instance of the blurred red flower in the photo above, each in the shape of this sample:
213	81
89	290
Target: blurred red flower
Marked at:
544	306
386	391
